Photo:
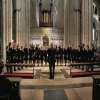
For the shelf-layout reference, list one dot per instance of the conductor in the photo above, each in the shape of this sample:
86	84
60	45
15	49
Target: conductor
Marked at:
51	60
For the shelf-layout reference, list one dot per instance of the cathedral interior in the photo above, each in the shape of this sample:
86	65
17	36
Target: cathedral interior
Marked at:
68	22
41	22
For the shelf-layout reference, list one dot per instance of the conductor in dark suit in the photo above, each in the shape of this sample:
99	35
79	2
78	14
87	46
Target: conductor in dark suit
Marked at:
51	59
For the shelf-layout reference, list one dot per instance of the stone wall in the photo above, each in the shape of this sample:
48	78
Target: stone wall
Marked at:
58	15
55	35
33	13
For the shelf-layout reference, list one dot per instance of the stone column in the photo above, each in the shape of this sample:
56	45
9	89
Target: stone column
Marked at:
87	21
1	30
90	20
58	13
25	21
4	29
5	10
72	22
1	20
27	18
77	11
28	21
23	29
17	11
34	14
21	23
72	19
98	38
98	30
9	21
66	22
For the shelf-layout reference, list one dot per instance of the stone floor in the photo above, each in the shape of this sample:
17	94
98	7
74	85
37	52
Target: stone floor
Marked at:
79	88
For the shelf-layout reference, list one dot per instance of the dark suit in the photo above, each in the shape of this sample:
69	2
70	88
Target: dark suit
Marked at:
6	88
51	59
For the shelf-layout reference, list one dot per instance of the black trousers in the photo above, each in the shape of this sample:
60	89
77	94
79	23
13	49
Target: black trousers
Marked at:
51	69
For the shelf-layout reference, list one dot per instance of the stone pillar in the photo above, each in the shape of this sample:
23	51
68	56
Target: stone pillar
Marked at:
77	11
4	29
34	14
7	24
22	23
19	22
0	20
72	19
17	26
9	21
90	20
5	10
72	22
98	38
87	21
25	38
66	22
1	30
27	21
58	12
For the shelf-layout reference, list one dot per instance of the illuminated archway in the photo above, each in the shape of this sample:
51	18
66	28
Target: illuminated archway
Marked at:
45	40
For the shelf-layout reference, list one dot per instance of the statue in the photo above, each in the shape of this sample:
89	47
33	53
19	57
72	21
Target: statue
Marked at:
45	40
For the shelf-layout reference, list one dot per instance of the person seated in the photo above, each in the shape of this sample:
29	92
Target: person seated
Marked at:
5	85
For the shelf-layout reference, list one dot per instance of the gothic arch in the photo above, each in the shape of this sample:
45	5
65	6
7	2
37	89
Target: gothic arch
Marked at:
96	22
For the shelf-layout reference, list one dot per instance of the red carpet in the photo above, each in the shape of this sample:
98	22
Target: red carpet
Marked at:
82	74
23	75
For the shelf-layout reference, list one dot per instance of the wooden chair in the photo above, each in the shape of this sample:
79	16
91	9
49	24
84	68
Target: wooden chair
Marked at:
4	97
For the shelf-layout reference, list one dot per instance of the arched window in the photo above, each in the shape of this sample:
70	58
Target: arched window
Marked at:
94	32
96	10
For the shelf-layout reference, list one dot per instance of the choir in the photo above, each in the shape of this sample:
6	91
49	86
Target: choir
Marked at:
37	55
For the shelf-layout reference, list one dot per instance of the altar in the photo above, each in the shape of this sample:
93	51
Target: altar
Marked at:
45	36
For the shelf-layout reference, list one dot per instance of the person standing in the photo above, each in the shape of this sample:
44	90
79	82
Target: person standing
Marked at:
51	60
30	54
45	56
8	59
26	52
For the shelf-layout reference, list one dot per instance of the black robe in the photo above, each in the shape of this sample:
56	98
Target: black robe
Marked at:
6	88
